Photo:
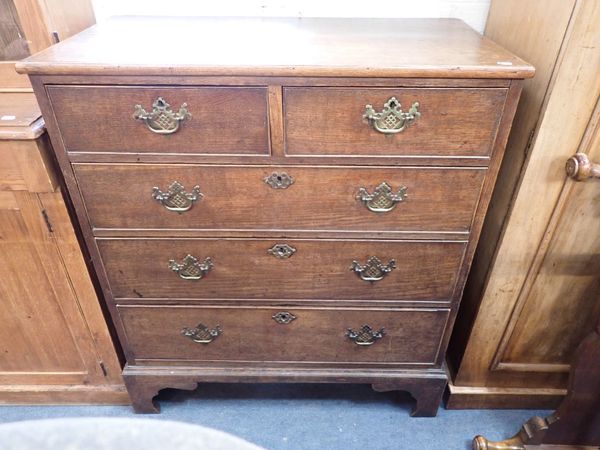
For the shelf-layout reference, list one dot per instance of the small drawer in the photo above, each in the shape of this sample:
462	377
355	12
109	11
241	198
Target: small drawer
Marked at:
448	122
286	197
236	268
204	334
204	120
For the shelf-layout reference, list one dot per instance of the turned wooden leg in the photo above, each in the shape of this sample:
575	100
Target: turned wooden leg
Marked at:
428	393
530	433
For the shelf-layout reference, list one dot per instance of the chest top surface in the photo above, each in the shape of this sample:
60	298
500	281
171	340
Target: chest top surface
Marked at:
436	48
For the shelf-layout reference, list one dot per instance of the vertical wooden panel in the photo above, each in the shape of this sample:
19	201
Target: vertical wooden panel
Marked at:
566	282
524	329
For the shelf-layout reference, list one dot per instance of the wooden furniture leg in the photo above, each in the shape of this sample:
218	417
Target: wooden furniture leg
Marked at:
428	395
577	420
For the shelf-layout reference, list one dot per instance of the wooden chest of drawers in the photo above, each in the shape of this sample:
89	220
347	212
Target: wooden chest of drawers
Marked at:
297	201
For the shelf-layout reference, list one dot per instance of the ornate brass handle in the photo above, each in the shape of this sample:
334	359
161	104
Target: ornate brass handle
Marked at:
391	119
162	120
190	268
373	270
365	336
202	334
176	198
383	198
580	168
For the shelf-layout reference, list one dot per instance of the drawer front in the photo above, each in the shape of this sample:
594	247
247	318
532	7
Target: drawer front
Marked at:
252	334
452	122
227	120
324	198
260	269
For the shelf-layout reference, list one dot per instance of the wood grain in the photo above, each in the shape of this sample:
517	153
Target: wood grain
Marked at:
527	317
50	306
19	111
465	397
55	344
450	189
144	382
224	120
250	334
320	269
320	199
26	166
11	81
348	47
453	122
567	266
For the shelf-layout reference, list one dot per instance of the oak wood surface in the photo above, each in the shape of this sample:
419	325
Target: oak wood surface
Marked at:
224	120
18	113
55	344
26	162
453	122
250	334
444	48
321	198
538	263
60	305
26	166
425	385
135	271
289	80
460	397
11	81
319	269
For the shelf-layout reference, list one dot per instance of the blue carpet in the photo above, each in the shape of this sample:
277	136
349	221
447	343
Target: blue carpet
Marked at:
309	417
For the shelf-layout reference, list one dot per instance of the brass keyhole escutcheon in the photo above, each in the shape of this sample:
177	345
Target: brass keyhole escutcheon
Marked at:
281	251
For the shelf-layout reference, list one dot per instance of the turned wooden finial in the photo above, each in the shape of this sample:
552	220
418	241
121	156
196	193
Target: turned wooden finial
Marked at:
580	168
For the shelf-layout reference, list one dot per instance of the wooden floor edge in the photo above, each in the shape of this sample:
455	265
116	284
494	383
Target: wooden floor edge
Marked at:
461	397
63	395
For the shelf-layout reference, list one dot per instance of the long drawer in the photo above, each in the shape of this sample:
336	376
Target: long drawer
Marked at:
211	120
281	269
287	197
445	121
203	334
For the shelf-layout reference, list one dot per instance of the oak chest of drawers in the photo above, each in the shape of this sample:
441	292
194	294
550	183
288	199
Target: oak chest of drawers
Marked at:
297	200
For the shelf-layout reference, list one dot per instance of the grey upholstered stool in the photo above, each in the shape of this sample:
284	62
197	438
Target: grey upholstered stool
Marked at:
115	434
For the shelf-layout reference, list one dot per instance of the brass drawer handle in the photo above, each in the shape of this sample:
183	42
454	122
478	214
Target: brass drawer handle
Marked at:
202	334
580	168
365	336
383	198
176	198
391	119
284	317
162	120
282	251
190	268
279	180
373	270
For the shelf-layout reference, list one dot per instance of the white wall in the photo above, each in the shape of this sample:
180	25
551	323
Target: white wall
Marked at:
474	12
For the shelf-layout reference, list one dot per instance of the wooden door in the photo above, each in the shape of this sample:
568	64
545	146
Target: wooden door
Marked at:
531	296
54	344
